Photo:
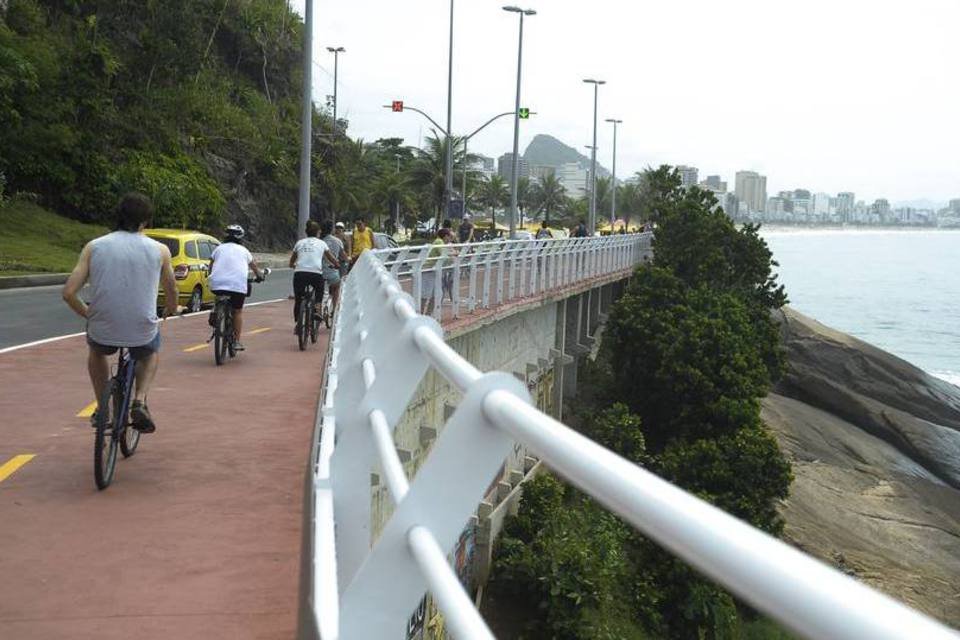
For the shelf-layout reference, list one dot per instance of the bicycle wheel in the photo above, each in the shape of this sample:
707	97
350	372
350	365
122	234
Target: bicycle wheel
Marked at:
220	335
315	319
105	442
228	335
129	437
303	322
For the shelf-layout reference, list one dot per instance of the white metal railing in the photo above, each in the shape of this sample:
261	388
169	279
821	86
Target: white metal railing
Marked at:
487	274
379	351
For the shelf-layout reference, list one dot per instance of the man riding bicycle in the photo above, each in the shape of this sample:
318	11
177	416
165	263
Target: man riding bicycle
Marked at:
123	270
229	265
307	261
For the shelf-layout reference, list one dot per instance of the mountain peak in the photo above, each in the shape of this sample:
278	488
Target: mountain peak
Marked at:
545	150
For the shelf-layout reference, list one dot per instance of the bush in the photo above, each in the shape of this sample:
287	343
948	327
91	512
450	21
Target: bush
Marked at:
182	192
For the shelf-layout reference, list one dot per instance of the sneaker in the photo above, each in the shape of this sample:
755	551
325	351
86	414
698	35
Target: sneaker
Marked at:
238	346
140	418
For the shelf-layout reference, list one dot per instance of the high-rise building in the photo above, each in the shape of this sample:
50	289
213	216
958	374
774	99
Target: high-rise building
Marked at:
820	204
751	190
846	201
573	178
688	176
881	208
715	184
538	171
505	167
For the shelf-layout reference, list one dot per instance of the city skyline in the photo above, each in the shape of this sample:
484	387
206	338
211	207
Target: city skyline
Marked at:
844	111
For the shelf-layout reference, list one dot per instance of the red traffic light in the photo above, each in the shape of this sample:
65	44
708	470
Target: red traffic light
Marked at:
397	106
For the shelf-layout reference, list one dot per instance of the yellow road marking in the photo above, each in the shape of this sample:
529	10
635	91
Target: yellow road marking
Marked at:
197	347
88	410
13	464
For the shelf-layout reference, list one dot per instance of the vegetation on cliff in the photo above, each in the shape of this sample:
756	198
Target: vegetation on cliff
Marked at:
688	353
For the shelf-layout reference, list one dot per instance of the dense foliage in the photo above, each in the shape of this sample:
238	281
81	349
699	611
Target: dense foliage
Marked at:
688	353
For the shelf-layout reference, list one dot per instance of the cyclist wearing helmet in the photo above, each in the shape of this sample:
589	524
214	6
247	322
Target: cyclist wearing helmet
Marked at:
228	275
309	260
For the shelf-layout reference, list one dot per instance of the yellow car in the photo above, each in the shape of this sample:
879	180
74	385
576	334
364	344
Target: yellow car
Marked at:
190	252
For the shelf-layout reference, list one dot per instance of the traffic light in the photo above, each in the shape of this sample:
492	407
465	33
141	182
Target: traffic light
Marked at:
397	106
524	113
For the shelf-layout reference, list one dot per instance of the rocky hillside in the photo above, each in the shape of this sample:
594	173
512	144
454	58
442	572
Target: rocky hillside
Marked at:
547	151
875	447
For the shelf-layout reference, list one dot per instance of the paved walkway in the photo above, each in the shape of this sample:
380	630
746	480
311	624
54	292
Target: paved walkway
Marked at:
199	535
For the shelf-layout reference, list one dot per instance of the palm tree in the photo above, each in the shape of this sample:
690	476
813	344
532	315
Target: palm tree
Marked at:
524	194
549	194
603	198
427	171
494	193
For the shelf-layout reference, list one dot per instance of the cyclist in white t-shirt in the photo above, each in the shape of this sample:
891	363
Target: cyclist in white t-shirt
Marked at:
229	265
307	260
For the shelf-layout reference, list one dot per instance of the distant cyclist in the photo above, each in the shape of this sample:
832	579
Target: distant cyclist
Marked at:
229	265
123	270
332	268
307	261
543	233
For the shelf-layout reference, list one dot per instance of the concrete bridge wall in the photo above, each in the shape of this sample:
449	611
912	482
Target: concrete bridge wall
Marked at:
541	345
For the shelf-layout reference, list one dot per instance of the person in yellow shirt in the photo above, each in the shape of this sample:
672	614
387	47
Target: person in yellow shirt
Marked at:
361	241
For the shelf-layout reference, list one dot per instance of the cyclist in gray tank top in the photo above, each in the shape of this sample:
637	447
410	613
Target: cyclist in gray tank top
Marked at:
123	269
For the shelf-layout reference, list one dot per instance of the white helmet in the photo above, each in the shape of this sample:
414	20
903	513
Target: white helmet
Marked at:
235	231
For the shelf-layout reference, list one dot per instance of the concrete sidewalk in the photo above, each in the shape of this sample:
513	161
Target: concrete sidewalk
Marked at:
199	536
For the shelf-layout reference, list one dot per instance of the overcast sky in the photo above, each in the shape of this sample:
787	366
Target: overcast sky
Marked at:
828	95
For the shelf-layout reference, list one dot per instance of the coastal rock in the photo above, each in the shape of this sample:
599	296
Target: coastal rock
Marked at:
875	447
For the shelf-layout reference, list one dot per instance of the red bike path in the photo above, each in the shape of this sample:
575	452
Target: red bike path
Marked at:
199	534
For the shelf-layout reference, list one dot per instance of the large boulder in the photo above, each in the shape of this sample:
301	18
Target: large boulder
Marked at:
875	447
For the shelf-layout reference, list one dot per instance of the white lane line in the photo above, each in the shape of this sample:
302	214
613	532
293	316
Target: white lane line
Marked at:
39	342
83	333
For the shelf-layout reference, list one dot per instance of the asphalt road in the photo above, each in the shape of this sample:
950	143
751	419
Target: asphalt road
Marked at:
36	313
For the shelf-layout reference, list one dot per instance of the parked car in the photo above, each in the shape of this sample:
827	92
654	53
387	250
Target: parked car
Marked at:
190	252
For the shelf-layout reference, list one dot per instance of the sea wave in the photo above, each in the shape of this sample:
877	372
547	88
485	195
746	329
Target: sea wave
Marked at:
953	377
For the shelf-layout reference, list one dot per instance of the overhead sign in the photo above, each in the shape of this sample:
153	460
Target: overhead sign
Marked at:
397	106
524	113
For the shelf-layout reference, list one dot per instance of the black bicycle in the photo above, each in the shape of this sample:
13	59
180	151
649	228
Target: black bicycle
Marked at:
222	321
222	338
113	421
308	320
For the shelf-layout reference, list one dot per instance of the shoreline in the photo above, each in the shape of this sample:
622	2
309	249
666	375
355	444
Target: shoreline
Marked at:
780	227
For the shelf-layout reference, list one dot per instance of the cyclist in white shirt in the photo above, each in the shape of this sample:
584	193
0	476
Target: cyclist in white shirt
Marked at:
307	261
229	265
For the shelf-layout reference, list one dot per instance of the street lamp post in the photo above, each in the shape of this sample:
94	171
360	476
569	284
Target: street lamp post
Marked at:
448	178
593	158
613	192
336	51
515	169
306	121
396	215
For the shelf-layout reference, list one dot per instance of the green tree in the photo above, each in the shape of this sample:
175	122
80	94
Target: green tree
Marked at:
549	194
494	193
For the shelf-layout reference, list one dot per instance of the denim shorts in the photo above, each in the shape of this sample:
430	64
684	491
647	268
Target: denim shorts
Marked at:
138	353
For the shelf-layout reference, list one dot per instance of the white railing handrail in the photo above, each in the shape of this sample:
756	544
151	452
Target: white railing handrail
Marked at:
364	588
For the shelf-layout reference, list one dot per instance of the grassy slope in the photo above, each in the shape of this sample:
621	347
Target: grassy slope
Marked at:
34	240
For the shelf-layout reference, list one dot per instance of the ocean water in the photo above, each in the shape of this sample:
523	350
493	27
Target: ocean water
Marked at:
897	289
